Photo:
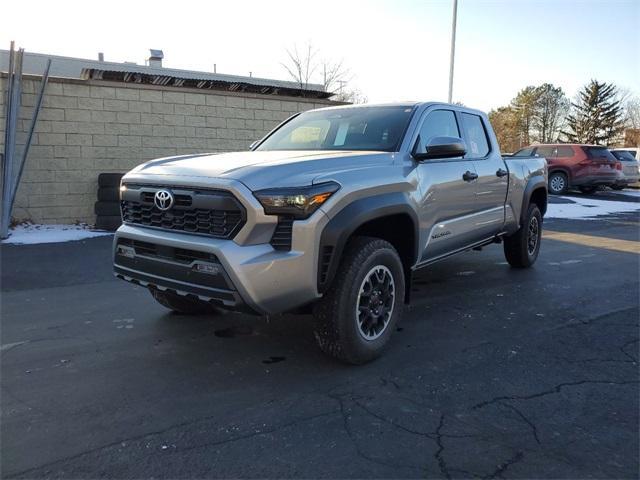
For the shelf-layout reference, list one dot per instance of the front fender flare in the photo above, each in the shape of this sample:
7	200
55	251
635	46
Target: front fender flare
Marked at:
337	232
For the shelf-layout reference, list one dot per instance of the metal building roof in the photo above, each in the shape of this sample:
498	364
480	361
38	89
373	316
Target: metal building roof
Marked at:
80	68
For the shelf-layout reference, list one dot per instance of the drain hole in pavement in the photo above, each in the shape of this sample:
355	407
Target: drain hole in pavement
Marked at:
232	332
274	360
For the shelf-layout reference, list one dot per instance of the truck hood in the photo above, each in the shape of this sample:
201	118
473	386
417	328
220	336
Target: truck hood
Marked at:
264	169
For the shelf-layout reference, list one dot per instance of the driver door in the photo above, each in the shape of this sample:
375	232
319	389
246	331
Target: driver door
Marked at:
447	189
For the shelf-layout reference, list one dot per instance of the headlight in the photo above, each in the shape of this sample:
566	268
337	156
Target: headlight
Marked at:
299	202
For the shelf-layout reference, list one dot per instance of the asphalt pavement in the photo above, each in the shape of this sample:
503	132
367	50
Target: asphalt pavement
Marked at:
494	373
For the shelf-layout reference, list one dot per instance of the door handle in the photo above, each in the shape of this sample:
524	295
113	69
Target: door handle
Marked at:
502	173
469	176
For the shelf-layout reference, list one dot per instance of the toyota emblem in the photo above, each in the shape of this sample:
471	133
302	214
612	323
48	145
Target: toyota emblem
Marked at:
163	199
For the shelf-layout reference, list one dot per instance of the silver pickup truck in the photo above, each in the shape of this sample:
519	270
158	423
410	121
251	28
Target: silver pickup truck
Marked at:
334	209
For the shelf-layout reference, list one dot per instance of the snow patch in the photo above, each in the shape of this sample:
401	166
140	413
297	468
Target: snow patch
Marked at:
32	234
588	208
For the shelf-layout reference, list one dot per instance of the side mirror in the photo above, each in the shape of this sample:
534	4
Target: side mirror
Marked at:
441	147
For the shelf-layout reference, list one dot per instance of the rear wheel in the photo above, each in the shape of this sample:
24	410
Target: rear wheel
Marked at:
618	187
356	317
521	249
588	190
558	183
181	304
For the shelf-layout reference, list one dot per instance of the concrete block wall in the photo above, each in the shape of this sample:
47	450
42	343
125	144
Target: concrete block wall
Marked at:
89	127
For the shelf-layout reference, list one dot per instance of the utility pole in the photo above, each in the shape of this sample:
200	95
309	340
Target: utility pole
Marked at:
453	49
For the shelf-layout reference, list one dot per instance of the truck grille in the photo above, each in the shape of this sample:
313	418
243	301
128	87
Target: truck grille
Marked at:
179	255
207	212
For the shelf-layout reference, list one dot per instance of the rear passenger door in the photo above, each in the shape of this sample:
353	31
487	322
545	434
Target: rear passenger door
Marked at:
447	199
491	187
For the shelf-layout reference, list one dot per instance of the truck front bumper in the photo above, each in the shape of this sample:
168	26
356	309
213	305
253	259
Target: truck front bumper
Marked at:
253	278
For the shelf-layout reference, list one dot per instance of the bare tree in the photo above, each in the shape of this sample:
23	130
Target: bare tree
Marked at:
302	66
631	107
334	75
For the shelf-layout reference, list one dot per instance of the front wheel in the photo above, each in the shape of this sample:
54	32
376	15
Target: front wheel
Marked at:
356	317
521	249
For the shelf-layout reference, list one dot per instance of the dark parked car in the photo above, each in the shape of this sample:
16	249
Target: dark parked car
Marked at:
576	166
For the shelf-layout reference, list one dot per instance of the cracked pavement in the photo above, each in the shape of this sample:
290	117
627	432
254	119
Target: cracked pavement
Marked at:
494	373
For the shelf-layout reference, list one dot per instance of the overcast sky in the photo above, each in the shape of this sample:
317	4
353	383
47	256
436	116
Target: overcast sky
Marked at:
396	50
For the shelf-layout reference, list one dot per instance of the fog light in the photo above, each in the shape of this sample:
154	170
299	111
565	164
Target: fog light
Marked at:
127	252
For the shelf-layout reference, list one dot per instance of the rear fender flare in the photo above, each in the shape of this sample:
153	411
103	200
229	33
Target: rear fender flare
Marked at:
536	182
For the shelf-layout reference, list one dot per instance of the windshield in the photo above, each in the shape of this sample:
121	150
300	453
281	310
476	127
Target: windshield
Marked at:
358	128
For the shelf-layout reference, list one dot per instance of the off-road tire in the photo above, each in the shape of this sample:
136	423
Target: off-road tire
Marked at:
109	179
108	222
180	304
107	208
517	249
336	324
109	194
558	183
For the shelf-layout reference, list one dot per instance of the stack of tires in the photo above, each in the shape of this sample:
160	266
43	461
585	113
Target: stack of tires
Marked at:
107	208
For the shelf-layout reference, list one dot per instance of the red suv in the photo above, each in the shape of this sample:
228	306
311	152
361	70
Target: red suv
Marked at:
583	166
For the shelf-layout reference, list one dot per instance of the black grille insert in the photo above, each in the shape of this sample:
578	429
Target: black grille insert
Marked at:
207	212
281	239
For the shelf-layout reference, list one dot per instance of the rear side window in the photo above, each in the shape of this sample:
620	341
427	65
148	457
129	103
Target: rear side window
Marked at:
624	155
440	123
600	153
546	151
477	143
565	151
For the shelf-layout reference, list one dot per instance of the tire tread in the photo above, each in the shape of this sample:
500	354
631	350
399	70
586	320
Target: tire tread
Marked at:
329	336
515	246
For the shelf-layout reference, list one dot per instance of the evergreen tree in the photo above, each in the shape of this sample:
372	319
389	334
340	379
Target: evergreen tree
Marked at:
597	116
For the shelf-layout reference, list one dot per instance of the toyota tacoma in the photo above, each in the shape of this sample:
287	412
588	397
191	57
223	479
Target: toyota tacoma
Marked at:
332	211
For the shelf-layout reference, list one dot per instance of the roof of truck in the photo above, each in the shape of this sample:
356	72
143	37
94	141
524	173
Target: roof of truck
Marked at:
406	104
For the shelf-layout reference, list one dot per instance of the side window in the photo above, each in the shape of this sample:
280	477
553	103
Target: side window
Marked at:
565	152
525	152
546	151
440	123
477	143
